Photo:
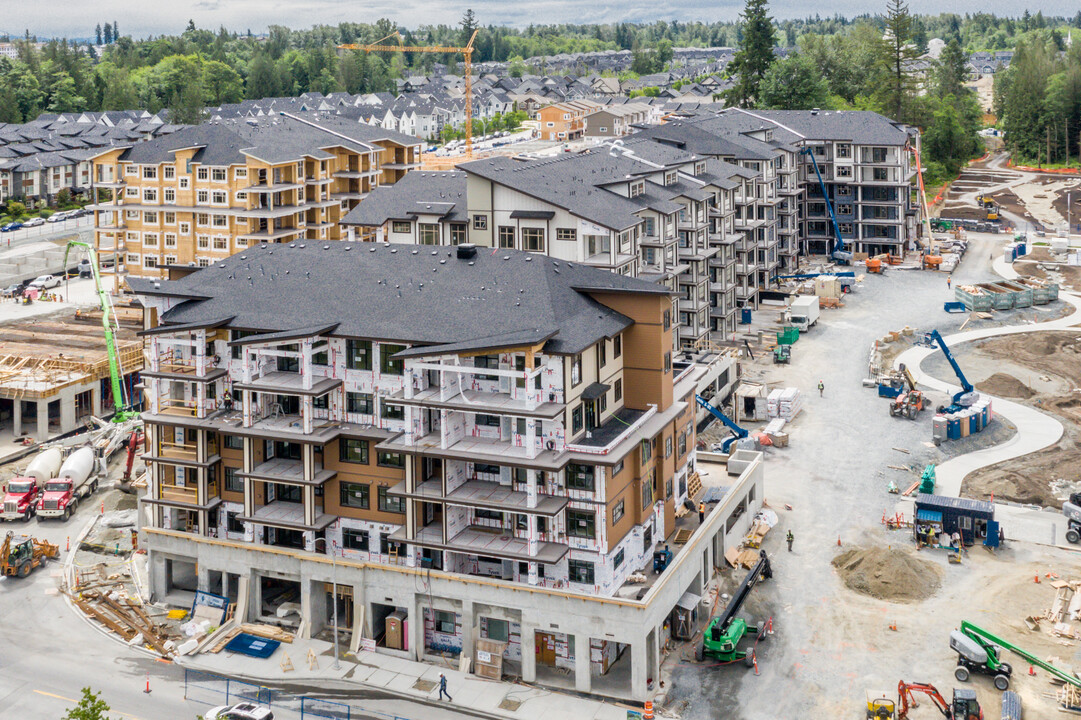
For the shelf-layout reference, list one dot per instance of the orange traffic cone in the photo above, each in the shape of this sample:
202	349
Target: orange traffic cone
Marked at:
147	690
838	541
754	661
1036	579
1031	670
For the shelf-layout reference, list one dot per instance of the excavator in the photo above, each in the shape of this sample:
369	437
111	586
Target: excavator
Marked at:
964	705
909	403
19	555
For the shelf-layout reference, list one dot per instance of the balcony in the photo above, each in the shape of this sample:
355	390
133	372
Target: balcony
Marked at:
285	470
184	455
271	235
185	497
490	542
289	383
287	515
262	188
482	494
604	438
174	365
473	449
472	401
277	211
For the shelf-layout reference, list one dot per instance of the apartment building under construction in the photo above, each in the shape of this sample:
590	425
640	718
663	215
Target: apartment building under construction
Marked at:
490	443
210	190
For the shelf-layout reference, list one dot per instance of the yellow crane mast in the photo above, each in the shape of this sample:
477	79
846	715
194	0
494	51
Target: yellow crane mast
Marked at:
467	53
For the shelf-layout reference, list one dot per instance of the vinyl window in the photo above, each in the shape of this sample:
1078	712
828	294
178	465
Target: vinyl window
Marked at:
353	450
355	495
580	571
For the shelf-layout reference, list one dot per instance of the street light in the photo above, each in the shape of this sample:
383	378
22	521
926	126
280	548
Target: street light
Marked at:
334	584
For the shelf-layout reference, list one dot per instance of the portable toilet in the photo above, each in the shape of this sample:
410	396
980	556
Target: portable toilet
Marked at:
745	316
953	427
974	422
963	421
938	428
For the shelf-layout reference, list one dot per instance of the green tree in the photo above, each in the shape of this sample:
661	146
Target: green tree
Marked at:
469	26
15	209
517	67
793	83
90	707
950	71
754	56
97	34
897	52
222	83
107	34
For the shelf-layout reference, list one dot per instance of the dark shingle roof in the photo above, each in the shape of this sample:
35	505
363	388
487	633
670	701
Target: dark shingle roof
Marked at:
416	193
417	295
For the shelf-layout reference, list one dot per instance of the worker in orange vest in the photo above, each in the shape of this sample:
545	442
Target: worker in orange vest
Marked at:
701	513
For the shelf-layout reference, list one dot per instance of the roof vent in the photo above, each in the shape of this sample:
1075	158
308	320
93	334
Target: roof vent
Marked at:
467	250
393	250
814	111
415	252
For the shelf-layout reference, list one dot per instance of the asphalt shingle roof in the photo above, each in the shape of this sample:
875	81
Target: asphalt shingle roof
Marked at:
417	295
418	192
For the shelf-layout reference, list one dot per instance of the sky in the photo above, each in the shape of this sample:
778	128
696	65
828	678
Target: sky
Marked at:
140	18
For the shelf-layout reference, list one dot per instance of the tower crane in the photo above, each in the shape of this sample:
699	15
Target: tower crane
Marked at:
467	53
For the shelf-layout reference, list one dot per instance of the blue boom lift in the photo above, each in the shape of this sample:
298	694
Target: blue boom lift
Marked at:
966	386
740	433
839	253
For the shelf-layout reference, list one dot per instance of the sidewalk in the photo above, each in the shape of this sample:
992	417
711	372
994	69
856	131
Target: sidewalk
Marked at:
415	681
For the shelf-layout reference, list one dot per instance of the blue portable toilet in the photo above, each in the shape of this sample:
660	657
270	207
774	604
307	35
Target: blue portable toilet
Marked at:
745	316
953	427
974	423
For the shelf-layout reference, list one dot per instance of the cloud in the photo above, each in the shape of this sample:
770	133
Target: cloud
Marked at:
140	18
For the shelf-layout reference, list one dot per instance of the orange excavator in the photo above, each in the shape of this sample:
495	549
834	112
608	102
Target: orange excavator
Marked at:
964	706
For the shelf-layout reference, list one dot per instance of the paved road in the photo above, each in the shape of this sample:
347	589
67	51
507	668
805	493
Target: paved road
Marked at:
48	653
47	231
834	475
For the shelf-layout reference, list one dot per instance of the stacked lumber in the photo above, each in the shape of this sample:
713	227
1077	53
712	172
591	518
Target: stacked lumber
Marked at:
119	614
741	557
694	485
756	534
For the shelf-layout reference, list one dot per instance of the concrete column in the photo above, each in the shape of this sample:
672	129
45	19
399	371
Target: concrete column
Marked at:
203	577
639	668
313	605
17	417
43	420
529	653
416	627
468	621
582	680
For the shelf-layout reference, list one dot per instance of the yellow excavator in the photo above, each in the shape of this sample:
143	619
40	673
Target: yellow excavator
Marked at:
21	554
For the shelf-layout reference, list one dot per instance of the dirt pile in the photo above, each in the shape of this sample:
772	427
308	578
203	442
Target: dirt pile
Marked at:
888	574
1003	385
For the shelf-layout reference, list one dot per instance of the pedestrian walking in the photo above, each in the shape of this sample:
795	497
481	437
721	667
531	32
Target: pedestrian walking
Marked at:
443	687
701	513
790	538
821	387
948	279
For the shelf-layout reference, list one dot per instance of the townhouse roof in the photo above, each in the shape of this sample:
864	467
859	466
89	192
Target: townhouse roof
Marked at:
861	127
418	193
411	294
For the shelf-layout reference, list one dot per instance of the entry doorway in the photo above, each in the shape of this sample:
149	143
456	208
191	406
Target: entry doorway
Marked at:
545	648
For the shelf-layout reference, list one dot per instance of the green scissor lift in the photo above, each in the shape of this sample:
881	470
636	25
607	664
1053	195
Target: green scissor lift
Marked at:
980	651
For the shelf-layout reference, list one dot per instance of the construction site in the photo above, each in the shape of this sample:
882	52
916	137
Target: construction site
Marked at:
915	420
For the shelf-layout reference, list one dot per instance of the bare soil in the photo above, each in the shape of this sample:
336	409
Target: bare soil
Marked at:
1003	385
1029	479
888	573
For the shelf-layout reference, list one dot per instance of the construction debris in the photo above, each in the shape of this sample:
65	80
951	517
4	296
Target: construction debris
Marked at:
102	597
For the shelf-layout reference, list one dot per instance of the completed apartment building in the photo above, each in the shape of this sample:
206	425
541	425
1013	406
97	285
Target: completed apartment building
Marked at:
208	191
488	441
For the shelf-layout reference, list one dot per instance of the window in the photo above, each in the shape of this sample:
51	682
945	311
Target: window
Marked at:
487	420
617	390
185	183
617	346
233	523
581	477
493	515
667	319
202	242
355	495
618	510
457	234
354	539
681	444
577	422
150	261
168	172
533	239
232	442
647	451
391	412
391	459
668	447
170	195
429	234
388	364
445	622
185	228
221	242
150	239
667	363
390	504
232	482
202	219
150	173
580	571
150	195
218	175
576	370
881	174
219	197
131	170
202	173
506	236
358	354
647	490
353	450
240	173
221	221
844	171
581	523
480	222
356	402
131	192
150	218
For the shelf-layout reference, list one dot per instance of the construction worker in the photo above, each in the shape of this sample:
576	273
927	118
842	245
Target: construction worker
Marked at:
821	387
790	538
701	512
443	687
948	282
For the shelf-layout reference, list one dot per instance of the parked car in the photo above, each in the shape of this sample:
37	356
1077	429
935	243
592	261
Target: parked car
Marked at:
240	711
15	289
11	226
45	282
58	217
85	268
34	222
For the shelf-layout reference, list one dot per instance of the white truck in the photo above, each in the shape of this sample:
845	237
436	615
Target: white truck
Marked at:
803	312
75	481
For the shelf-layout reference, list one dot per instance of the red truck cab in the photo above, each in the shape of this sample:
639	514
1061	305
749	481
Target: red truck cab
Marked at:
58	499
21	498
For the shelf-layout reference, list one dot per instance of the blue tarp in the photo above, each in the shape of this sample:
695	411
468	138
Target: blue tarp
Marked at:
257	647
928	516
